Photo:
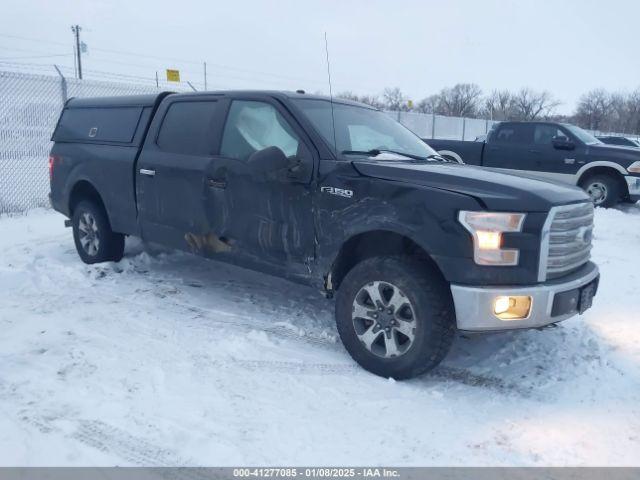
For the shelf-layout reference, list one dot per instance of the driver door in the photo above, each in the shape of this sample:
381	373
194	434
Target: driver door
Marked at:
263	218
550	161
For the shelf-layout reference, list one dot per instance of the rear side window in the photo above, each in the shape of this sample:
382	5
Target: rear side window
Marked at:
513	134
116	124
187	128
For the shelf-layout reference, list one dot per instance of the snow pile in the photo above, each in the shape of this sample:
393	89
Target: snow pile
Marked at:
167	359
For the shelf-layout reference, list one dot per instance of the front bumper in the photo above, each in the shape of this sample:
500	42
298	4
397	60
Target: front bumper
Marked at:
633	185
552	302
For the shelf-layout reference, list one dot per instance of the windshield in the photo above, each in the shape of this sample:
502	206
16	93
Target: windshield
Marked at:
361	129
582	135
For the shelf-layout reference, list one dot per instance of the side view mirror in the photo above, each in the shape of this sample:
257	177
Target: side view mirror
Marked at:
268	160
562	143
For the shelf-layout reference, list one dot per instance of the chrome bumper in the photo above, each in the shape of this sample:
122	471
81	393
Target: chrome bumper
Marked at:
474	305
633	184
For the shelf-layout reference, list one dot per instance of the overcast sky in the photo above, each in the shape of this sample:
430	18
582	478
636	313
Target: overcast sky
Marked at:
564	46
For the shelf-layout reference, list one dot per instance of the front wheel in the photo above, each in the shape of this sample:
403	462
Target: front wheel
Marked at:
395	316
92	234
604	190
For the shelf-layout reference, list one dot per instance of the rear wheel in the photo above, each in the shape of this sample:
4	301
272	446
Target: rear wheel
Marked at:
92	234
603	189
395	316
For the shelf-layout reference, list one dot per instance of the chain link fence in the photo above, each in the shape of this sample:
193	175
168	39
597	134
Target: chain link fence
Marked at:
29	108
31	103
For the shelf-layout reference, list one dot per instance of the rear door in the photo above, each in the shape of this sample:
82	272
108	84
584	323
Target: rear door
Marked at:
172	169
508	147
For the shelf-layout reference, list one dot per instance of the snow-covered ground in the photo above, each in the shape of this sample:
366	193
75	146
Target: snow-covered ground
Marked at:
168	359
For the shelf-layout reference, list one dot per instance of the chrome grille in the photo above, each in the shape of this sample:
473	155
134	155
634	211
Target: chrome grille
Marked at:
566	240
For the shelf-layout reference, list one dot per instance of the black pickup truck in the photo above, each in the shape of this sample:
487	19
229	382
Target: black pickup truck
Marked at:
554	151
333	194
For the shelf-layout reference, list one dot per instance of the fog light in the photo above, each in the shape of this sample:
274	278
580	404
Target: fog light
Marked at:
512	307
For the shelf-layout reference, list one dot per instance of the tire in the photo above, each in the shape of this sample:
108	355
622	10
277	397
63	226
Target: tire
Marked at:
452	156
92	234
603	189
425	310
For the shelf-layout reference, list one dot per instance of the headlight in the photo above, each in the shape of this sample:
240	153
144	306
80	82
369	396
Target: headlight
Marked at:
487	229
634	167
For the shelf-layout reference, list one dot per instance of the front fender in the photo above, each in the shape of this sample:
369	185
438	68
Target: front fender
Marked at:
426	216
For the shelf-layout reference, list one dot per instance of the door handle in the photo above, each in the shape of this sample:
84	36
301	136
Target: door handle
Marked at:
147	172
217	183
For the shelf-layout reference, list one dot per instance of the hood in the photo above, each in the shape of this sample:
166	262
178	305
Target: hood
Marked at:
620	153
497	191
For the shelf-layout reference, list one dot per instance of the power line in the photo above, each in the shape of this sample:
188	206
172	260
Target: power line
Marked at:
32	39
36	56
178	60
28	50
216	66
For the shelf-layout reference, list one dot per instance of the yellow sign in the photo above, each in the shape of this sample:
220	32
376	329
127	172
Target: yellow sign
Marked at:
173	75
410	103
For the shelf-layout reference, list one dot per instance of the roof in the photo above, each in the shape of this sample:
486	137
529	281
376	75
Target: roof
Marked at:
277	94
151	99
537	122
120	101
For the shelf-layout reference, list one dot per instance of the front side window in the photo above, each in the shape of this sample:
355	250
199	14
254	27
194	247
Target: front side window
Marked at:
187	128
544	134
252	126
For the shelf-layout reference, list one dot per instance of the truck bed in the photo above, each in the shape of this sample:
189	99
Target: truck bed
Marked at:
469	152
100	139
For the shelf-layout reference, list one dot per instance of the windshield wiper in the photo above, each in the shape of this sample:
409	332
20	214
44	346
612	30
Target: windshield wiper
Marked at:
374	152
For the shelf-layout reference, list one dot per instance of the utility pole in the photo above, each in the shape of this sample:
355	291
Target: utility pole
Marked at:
205	76
76	31
75	64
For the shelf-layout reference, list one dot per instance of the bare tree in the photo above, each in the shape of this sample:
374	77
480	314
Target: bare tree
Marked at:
595	109
394	99
461	100
372	100
531	105
499	105
632	113
348	95
428	104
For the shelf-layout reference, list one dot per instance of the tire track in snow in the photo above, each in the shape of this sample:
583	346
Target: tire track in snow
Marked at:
36	242
457	375
110	440
132	449
290	332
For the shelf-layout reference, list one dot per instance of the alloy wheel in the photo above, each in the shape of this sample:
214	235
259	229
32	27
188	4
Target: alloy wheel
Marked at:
384	319
88	234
